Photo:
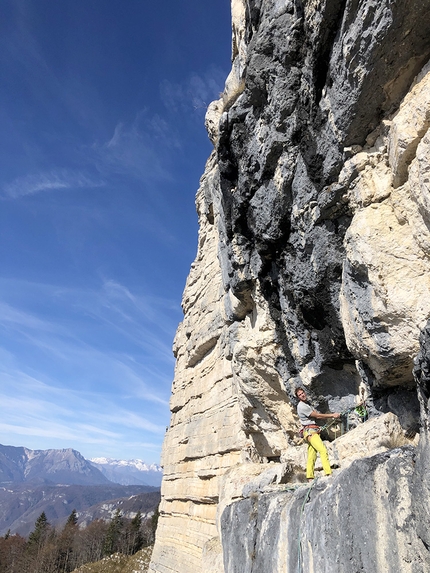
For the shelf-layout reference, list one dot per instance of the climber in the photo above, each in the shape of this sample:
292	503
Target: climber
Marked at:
311	434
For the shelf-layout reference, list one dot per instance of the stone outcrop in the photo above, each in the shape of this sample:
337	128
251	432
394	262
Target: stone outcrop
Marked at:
359	521
313	269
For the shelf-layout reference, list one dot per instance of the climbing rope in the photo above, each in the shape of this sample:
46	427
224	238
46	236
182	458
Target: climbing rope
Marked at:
299	548
360	410
294	487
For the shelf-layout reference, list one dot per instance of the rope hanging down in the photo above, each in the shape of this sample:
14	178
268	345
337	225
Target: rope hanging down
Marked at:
361	411
299	549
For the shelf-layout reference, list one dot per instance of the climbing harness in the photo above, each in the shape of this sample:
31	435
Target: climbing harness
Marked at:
312	428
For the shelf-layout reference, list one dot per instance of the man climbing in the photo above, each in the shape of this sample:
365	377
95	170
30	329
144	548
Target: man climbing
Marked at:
311	434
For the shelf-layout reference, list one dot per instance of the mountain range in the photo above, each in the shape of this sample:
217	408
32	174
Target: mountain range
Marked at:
58	481
68	466
22	465
129	472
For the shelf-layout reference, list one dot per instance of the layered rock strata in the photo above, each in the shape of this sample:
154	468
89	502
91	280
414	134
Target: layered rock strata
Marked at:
312	269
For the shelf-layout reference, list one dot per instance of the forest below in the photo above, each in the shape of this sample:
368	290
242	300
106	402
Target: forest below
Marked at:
61	550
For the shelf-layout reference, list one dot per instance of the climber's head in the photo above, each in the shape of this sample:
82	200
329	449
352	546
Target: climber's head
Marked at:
301	394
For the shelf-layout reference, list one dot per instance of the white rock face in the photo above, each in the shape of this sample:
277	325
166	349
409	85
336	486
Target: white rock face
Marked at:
235	82
409	126
385	297
228	402
205	435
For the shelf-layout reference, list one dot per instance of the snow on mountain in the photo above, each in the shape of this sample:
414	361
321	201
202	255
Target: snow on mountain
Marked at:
66	466
129	472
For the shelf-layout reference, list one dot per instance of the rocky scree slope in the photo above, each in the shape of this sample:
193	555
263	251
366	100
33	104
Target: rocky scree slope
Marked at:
118	563
312	269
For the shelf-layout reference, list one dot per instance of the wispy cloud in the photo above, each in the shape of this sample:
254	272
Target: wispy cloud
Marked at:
54	180
145	320
10	315
88	368
20	49
148	306
43	415
196	92
71	107
137	149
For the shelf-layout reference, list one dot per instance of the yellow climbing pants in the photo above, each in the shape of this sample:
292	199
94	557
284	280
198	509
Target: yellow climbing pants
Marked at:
315	447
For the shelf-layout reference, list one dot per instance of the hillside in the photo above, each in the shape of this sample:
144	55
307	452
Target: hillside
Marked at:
118	563
20	506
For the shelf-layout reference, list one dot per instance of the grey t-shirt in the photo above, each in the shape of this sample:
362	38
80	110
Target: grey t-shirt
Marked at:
303	411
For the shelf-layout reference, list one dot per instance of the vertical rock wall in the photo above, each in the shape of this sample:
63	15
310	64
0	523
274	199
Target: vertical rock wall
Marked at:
313	269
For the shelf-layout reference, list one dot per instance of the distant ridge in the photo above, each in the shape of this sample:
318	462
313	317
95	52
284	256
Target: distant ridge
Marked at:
22	504
129	472
65	467
57	481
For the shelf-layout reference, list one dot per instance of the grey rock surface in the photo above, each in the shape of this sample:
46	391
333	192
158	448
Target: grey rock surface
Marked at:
358	520
319	77
421	486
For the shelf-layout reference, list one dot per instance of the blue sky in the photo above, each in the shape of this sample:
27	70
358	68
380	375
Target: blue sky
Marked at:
102	144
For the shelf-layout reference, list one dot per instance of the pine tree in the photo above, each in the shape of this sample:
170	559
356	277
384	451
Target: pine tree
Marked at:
40	550
135	534
65	544
113	534
41	529
154	524
72	519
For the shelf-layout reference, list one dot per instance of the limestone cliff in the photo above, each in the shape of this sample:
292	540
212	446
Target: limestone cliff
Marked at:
312	268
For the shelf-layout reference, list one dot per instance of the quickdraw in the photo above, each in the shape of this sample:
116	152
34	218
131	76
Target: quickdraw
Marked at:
362	412
345	415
